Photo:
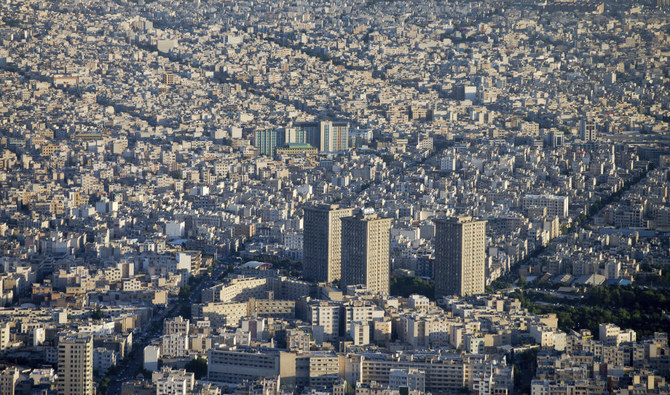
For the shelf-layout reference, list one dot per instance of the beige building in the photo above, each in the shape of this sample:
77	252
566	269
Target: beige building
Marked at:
460	254
322	242
169	381
176	325
8	379
75	365
365	251
557	206
237	364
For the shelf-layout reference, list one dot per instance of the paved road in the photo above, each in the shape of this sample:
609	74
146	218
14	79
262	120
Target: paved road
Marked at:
134	362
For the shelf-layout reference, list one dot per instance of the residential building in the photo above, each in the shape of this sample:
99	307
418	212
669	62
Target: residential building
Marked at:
322	238
365	251
75	365
460	256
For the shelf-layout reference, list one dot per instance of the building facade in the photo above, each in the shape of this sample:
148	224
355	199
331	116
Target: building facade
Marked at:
322	242
266	141
588	130
460	245
365	251
75	365
326	136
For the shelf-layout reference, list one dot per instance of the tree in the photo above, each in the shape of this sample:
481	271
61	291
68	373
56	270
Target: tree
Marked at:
97	313
102	386
405	286
185	311
184	292
638	308
198	367
522	282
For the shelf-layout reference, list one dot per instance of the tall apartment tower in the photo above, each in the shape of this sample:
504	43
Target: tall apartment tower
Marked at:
75	365
365	251
587	130
267	141
460	245
322	241
326	136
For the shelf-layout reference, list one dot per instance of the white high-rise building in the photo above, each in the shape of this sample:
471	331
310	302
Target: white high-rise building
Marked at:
173	382
151	355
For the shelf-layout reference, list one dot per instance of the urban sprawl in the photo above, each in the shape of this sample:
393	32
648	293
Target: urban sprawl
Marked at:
369	197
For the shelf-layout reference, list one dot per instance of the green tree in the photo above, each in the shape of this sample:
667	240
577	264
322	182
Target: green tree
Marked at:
198	367
103	385
185	311
184	292
97	313
522	283
405	286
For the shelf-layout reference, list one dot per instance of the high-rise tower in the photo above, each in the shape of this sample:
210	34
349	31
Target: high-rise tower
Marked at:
365	251
322	240
460	254
588	130
326	136
267	141
75	365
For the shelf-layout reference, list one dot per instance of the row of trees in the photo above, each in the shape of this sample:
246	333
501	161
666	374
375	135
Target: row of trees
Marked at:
639	308
405	286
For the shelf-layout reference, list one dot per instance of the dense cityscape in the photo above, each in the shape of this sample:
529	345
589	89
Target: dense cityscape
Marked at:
339	197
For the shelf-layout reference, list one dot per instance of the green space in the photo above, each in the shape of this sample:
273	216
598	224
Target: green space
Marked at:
405	286
642	309
198	367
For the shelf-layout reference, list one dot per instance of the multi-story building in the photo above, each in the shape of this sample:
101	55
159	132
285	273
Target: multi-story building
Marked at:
338	139
103	359
266	141
324	368
173	382
298	340
174	345
413	379
75	365
557	206
326	136
151	355
365	251
5	337
359	333
176	325
237	364
587	130
322	242
460	256
8	379
327	316
296	149
221	314
359	311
